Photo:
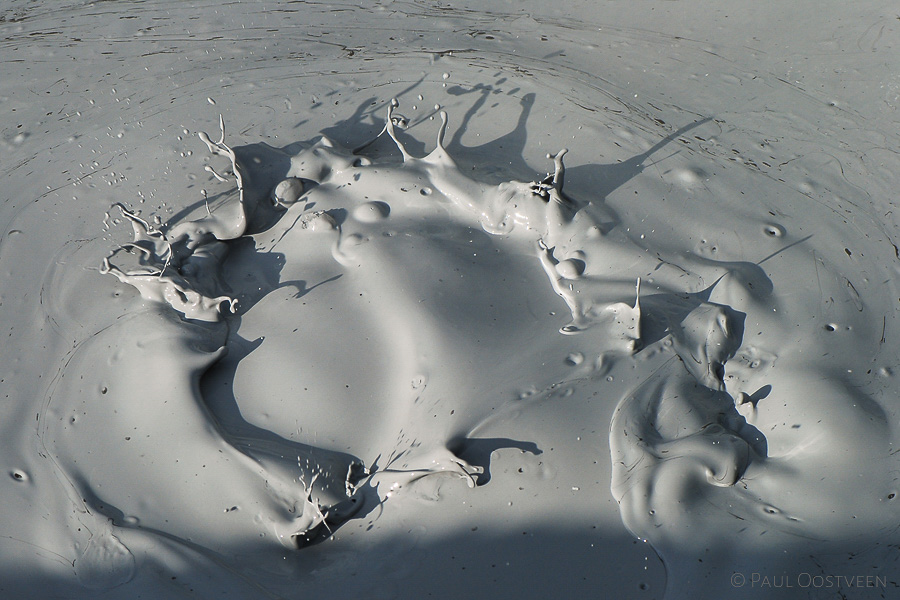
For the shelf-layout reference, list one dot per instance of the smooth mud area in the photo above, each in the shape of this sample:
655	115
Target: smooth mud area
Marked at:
497	300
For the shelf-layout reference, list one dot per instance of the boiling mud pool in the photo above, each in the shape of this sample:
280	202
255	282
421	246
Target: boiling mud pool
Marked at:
340	331
377	372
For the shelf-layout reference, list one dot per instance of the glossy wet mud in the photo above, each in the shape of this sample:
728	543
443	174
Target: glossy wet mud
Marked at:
278	363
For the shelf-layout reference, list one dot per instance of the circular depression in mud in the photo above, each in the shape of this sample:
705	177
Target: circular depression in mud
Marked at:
388	309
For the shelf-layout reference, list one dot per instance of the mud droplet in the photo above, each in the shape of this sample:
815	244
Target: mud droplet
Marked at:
570	268
690	177
288	191
575	358
318	221
371	212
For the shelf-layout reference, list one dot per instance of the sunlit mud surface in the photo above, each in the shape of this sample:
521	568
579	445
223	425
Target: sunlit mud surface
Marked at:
510	302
